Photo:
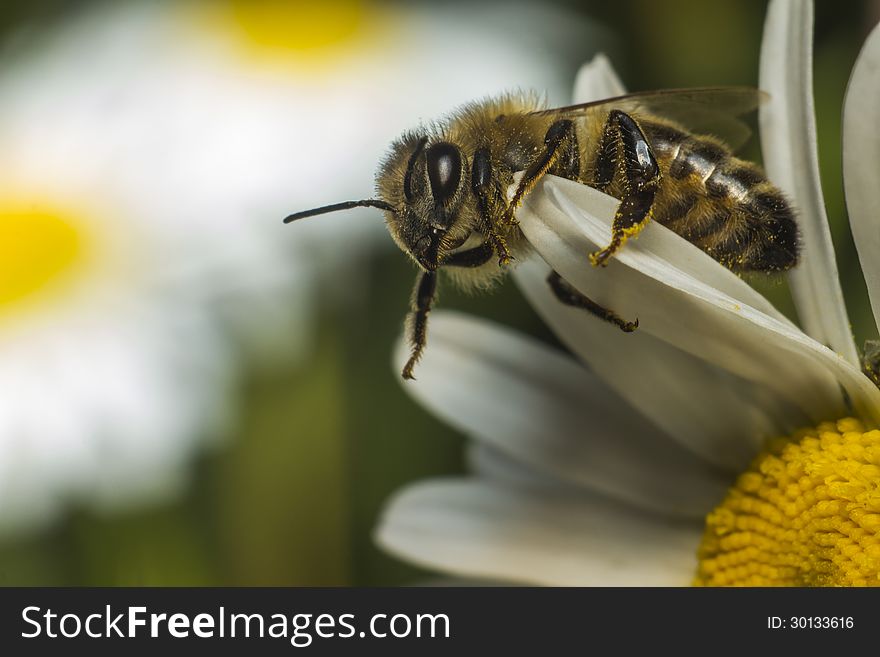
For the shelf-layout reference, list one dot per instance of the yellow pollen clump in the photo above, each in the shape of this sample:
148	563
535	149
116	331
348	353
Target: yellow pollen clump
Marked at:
805	513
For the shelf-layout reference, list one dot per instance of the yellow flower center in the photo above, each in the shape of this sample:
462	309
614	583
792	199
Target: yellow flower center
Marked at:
310	35
38	247
297	24
806	513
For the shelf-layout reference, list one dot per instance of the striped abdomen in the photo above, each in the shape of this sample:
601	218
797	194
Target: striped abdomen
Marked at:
724	205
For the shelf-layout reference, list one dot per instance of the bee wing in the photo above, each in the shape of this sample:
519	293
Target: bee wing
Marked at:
713	111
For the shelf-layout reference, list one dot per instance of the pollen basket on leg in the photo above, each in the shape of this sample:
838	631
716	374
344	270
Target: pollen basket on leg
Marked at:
806	513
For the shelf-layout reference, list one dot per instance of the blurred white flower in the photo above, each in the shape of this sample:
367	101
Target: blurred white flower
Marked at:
605	476
150	151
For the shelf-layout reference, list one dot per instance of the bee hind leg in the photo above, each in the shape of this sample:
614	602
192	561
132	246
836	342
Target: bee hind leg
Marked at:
568	295
626	154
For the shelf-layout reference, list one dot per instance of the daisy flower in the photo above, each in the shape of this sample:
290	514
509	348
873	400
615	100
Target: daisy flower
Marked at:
149	153
678	454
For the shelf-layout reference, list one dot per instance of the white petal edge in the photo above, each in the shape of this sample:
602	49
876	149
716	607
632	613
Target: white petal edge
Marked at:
597	80
712	412
791	158
492	464
475	528
545	410
861	162
690	301
486	462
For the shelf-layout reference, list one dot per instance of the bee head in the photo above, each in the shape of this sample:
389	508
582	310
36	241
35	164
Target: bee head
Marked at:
425	182
422	191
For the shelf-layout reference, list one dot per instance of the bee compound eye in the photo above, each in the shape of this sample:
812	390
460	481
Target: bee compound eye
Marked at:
444	170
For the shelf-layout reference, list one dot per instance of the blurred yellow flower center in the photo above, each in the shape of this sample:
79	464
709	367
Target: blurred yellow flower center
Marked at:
37	247
293	26
806	513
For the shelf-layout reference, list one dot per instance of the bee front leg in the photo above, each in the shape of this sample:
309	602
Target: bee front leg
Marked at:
561	156
417	324
490	203
625	154
423	296
571	297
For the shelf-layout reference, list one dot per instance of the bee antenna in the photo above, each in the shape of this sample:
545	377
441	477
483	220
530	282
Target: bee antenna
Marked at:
347	205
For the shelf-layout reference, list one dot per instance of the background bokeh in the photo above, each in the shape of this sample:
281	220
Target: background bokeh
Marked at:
214	120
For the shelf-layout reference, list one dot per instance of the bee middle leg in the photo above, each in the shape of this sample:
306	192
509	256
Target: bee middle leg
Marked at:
424	293
561	156
567	294
625	154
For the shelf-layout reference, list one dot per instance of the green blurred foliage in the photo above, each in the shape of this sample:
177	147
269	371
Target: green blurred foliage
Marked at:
293	498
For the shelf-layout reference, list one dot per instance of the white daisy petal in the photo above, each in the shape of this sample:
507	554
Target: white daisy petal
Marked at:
687	299
861	162
788	142
545	410
597	80
716	414
488	462
536	536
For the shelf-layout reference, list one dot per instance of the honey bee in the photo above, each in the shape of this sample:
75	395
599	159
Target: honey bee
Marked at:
444	189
